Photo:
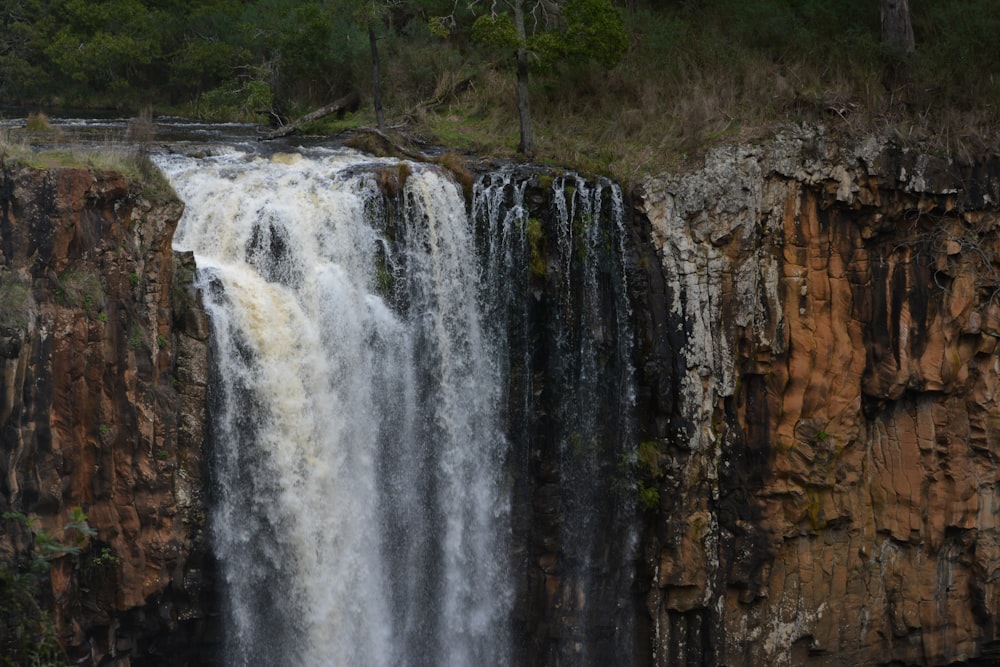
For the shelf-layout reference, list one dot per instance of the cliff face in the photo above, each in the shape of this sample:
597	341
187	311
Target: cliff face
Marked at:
828	420
104	363
817	393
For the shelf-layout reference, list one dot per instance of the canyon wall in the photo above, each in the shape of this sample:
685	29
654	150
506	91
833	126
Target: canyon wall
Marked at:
816	391
104	366
826	419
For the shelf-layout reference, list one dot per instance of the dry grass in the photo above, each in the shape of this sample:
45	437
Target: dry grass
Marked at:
640	125
38	122
127	155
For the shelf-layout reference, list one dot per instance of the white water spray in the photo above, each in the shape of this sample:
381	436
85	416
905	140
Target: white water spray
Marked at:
361	511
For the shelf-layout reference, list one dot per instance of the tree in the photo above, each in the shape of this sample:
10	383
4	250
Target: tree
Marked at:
101	46
559	31
21	46
369	14
897	39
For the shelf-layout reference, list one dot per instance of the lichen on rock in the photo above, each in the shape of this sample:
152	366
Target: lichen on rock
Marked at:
839	304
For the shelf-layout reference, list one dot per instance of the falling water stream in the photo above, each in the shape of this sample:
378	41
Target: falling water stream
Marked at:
367	349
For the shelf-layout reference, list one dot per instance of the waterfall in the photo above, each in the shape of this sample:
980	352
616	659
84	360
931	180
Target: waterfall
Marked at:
559	282
376	420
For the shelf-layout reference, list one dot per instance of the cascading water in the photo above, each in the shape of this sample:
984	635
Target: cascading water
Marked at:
390	386
559	282
361	513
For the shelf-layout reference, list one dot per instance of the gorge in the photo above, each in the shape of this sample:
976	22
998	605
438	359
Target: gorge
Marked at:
743	415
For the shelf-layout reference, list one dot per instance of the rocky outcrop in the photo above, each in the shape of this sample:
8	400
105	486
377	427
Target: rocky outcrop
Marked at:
104	371
828	457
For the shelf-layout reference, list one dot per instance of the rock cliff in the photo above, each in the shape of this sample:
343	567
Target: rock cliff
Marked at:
817	389
827	422
104	363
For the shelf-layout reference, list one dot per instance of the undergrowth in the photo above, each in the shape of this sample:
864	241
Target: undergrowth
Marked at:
700	74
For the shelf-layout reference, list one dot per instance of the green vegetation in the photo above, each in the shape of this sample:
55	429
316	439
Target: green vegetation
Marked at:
649	497
103	558
536	245
123	156
135	338
38	122
624	88
27	636
16	304
81	288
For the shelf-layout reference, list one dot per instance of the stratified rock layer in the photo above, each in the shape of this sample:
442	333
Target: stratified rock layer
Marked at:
104	370
829	484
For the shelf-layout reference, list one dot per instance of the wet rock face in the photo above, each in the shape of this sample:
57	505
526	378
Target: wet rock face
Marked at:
830	492
104	363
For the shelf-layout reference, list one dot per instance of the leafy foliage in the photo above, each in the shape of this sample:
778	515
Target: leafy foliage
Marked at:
496	31
48	546
27	636
583	30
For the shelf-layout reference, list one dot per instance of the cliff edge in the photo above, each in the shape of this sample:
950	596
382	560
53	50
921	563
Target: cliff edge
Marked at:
103	352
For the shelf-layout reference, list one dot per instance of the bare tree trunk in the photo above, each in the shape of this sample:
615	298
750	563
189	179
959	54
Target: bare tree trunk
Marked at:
897	30
897	37
527	145
376	79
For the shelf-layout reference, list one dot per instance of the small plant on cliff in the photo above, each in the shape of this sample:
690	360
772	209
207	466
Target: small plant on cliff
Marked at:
27	636
16	304
104	557
49	546
649	497
135	338
536	242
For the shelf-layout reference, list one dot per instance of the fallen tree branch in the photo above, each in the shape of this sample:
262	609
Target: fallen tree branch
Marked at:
441	97
376	142
347	102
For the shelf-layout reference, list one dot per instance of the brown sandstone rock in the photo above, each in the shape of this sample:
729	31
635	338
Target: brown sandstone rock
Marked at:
103	385
840	455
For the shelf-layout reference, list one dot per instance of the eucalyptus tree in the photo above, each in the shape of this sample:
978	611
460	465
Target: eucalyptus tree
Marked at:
542	33
371	15
897	39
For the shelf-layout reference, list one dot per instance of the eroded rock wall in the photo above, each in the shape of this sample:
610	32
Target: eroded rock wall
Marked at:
829	484
103	357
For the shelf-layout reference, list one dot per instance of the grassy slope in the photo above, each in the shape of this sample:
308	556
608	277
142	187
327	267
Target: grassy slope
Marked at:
718	72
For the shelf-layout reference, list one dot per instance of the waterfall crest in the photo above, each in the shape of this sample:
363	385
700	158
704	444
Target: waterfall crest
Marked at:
421	412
